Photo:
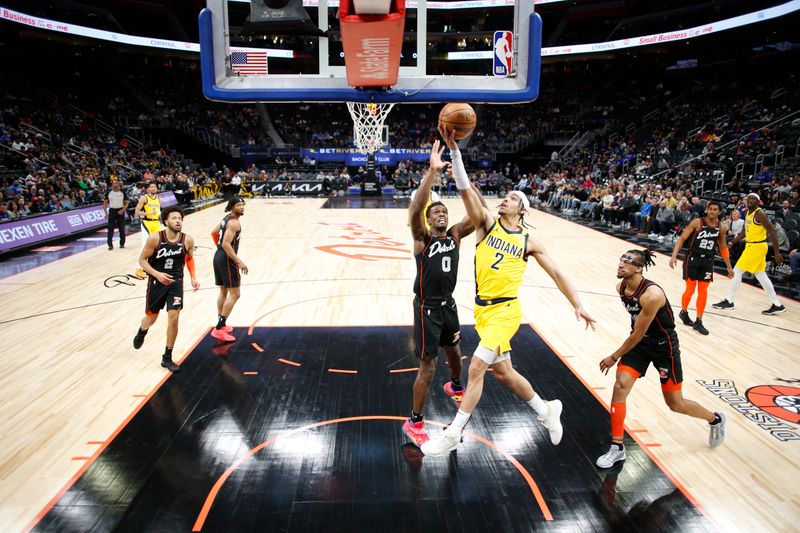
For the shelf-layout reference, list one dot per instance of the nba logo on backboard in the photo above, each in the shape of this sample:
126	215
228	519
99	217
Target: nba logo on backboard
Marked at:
503	53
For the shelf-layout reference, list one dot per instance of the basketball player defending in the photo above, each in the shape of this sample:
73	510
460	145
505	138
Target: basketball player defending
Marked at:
754	257
652	340
163	258
227	265
703	234
435	315
500	260
149	210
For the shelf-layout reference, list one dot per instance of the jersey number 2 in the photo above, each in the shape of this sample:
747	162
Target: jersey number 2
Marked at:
168	264
496	264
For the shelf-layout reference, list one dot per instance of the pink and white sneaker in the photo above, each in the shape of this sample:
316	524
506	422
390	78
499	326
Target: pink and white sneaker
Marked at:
416	432
456	395
227	329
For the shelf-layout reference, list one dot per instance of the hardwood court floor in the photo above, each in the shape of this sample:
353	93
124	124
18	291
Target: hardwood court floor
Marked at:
70	379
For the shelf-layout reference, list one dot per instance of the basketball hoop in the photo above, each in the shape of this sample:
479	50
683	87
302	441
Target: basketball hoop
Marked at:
368	120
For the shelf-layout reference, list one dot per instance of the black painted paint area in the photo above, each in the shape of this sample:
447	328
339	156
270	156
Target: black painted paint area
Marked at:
359	475
367	202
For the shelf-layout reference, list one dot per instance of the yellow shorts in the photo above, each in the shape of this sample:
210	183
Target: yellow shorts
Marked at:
754	257
151	226
496	324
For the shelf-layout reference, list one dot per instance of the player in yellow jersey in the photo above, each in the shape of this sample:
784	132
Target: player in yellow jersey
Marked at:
149	210
754	258
504	246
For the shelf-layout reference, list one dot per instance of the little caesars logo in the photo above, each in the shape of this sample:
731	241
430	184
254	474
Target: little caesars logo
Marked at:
768	406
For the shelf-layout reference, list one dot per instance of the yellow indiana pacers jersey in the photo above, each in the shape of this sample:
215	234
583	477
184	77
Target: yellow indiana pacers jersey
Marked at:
754	232
500	262
152	208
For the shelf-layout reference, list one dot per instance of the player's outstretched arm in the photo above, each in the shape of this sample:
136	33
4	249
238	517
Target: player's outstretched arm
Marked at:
234	226
763	219
651	301
694	225
477	213
423	194
188	245
724	252
537	250
465	227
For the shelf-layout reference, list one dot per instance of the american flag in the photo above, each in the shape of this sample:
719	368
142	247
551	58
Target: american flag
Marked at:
249	63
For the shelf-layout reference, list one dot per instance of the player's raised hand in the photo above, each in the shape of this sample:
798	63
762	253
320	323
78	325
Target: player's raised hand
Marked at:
449	136
436	156
581	313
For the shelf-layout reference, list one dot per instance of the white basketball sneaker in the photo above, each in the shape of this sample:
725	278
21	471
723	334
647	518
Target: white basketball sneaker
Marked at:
440	445
553	420
611	457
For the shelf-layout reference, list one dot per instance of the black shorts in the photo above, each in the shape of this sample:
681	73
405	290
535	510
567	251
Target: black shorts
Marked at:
699	268
226	273
159	295
435	326
664	353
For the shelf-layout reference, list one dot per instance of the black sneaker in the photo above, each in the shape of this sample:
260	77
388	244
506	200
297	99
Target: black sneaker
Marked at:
774	310
138	340
684	316
698	326
167	363
724	304
122	246
110	246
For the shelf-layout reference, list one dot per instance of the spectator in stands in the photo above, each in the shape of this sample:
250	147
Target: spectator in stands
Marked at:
794	262
4	214
665	219
638	218
785	210
22	207
683	215
735	224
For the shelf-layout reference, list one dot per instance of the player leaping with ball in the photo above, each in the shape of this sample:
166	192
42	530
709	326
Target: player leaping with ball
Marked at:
504	246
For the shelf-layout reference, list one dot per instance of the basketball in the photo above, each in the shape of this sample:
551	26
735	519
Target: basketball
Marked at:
459	117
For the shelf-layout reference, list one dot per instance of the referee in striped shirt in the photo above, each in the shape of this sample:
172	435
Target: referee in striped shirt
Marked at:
117	203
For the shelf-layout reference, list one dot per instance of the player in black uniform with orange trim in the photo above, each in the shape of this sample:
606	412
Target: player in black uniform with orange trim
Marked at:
435	314
227	265
163	258
704	234
652	340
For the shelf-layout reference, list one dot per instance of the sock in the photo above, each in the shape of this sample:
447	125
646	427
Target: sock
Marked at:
456	384
618	445
702	297
687	294
537	404
458	423
221	322
142	331
167	352
716	421
766	284
735	282
416	417
617	420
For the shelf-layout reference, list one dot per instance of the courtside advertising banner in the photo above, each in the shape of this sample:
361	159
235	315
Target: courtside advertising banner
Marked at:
34	230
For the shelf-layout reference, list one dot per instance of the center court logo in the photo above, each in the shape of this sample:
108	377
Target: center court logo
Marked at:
768	406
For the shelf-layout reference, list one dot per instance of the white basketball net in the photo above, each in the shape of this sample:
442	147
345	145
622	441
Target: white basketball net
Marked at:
368	120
